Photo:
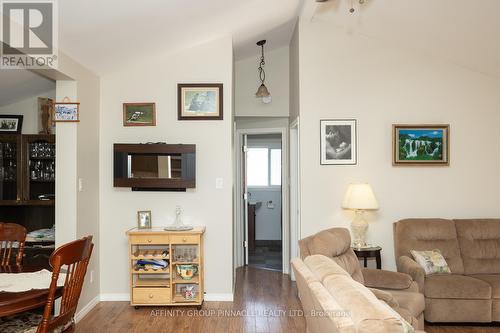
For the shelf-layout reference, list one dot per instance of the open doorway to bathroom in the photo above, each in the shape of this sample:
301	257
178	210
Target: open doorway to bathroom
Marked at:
263	200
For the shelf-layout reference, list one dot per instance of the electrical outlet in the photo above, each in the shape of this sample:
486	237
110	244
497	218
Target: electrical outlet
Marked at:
219	183
80	184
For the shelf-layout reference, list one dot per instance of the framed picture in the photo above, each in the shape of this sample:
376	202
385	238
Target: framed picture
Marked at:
338	142
11	124
139	114
66	112
421	145
144	219
200	101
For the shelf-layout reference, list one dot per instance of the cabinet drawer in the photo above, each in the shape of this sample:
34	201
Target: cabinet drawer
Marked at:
185	239
151	295
149	239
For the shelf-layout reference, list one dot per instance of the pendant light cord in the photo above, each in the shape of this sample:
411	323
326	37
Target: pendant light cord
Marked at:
262	73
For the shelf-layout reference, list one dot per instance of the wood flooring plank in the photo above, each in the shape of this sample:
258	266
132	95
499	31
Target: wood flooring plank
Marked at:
258	291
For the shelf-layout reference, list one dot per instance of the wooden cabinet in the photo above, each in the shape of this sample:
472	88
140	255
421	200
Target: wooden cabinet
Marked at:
164	285
27	188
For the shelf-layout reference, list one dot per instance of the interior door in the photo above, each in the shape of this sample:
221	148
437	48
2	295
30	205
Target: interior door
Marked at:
245	196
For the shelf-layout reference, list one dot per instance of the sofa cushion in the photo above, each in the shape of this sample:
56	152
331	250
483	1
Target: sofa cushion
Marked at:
493	280
321	266
428	234
431	261
456	287
480	245
367	312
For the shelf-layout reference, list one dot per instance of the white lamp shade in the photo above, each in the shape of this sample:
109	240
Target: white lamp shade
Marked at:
360	196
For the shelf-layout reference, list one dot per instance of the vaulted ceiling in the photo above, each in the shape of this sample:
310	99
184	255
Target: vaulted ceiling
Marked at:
464	32
105	34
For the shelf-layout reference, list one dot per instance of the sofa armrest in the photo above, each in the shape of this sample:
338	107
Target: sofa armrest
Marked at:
376	278
386	297
409	266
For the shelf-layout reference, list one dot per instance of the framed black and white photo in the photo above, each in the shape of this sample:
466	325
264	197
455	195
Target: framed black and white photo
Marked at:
11	124
338	142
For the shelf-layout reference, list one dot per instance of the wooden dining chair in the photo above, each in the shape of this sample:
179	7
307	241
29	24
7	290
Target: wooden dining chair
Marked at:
12	239
72	259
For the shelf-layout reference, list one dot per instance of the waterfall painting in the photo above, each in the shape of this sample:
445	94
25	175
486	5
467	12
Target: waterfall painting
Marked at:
338	142
421	144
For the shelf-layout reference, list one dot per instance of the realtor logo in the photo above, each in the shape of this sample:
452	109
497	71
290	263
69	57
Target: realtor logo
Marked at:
28	34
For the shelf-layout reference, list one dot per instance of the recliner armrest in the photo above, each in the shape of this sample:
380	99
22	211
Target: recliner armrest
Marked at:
386	297
376	278
411	267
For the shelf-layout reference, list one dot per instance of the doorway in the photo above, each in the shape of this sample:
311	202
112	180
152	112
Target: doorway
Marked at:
263	185
261	199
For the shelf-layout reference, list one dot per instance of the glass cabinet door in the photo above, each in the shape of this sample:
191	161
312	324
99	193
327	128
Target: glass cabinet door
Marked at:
10	167
41	168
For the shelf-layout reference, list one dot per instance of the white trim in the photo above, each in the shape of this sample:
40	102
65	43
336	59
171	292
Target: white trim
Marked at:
114	297
295	227
219	297
285	183
86	309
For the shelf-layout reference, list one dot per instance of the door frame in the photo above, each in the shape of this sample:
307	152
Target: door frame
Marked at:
295	224
239	228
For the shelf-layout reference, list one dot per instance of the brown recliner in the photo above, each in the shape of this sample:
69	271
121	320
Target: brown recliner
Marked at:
396	289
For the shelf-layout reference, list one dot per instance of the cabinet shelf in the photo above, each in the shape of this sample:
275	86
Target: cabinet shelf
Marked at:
179	280
152	283
164	287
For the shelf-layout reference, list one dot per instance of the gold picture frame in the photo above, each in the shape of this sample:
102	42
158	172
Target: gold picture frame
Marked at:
421	145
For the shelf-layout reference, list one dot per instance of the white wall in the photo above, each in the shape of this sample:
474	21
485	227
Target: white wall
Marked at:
77	212
350	76
294	74
28	108
155	80
247	81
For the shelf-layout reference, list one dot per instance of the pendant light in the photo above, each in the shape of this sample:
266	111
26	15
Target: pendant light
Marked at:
262	92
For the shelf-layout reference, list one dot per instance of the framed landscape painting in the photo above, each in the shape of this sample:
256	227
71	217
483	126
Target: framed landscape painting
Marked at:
200	101
139	114
421	145
338	142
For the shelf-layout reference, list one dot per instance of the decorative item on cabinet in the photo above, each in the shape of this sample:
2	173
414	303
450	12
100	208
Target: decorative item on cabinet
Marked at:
12	124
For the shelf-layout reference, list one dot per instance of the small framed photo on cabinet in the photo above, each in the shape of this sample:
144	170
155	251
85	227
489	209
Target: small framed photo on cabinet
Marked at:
144	219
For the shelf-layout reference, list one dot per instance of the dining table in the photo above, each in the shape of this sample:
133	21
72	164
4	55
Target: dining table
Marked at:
12	303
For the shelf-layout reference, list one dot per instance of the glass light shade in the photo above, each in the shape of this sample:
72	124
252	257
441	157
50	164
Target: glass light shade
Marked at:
360	196
262	91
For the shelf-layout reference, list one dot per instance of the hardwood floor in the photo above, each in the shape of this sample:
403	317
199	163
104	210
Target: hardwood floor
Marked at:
258	292
269	299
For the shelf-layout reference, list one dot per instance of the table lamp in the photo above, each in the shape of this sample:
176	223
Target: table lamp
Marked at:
359	197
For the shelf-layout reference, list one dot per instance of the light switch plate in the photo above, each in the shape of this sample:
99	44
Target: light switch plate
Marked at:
219	183
80	184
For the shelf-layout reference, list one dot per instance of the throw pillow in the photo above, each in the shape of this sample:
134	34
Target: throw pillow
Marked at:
431	261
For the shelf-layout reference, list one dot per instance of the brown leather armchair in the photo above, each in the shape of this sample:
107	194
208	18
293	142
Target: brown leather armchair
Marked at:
396	289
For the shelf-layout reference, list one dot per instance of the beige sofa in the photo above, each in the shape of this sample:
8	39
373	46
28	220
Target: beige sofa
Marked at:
472	250
335	303
397	289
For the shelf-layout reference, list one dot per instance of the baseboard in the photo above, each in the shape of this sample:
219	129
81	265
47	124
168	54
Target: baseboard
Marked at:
114	297
86	309
219	297
210	297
